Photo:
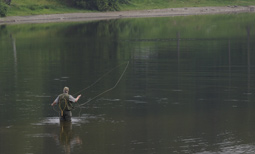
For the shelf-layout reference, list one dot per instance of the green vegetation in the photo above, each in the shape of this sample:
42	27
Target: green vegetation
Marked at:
33	7
3	9
159	4
100	5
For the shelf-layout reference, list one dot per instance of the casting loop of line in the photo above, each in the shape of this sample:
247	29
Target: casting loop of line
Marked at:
118	81
110	89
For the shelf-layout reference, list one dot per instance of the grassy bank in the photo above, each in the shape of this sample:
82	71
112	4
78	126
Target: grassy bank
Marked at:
35	7
159	4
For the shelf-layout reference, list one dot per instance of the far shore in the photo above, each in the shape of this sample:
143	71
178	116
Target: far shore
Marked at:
70	17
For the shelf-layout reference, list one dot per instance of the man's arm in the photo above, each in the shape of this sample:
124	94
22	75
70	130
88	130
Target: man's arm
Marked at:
77	98
72	99
55	102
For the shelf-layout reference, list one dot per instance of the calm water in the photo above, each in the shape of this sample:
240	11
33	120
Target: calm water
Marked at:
189	86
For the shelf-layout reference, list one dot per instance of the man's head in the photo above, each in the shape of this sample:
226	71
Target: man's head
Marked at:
66	90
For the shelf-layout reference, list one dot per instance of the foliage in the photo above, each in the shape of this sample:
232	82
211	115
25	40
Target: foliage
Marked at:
159	4
33	7
100	5
29	7
8	2
3	9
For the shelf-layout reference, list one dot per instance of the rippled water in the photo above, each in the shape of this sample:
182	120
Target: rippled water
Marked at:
188	88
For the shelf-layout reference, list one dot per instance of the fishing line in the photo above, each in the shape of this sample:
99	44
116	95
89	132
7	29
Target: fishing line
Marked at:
107	89
98	79
55	109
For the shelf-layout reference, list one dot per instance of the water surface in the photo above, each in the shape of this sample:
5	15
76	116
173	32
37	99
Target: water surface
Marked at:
188	88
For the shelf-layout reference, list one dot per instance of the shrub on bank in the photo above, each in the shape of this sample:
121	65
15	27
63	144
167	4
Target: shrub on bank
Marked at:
100	5
3	9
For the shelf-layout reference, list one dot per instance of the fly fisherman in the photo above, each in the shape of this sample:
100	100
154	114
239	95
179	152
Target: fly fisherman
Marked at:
65	102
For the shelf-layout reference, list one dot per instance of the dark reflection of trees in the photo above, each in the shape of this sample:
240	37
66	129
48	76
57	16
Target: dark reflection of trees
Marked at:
3	30
100	37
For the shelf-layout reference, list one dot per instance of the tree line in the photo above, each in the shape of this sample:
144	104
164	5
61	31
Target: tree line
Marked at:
99	5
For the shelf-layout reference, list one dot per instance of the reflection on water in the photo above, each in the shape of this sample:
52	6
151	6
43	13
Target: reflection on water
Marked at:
188	89
66	138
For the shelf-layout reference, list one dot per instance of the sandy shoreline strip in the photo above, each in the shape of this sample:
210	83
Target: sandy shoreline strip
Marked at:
126	14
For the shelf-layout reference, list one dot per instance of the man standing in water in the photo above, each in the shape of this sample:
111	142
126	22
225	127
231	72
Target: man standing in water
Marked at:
65	102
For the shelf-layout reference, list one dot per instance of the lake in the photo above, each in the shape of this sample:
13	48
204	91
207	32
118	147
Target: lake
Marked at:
176	85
